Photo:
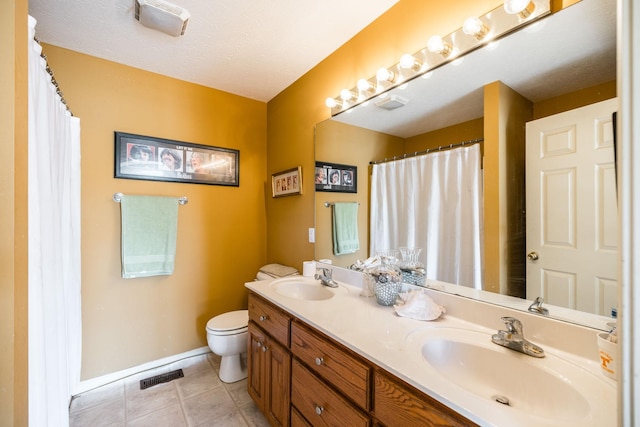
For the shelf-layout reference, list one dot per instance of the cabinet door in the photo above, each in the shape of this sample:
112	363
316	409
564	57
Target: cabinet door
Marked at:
278	381
257	372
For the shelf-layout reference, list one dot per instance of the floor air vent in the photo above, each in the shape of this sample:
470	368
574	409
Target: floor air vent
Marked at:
162	378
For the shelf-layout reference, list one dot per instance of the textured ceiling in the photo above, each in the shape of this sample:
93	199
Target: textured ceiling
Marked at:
251	48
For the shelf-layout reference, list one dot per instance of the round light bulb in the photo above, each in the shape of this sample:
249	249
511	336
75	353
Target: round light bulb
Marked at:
364	85
407	61
384	75
435	44
331	103
346	94
475	27
523	8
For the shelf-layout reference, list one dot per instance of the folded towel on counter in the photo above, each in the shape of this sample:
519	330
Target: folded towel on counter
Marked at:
149	232
278	270
345	228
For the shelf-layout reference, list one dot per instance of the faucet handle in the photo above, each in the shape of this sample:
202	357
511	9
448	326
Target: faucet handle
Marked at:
514	326
536	307
326	272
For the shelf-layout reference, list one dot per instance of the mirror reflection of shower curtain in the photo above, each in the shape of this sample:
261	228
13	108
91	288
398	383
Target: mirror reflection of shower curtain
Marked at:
432	201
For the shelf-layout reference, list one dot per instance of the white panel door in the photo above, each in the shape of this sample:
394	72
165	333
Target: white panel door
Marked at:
572	216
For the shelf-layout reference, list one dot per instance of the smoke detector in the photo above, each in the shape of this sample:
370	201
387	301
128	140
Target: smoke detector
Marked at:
391	102
162	16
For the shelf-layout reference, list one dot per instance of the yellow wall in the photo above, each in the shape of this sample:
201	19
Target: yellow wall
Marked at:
573	100
506	113
466	131
13	215
292	114
221	242
350	145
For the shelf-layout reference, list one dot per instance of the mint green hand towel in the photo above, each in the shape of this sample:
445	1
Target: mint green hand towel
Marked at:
149	230
345	228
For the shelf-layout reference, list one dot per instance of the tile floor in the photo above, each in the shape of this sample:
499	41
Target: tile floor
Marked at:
198	399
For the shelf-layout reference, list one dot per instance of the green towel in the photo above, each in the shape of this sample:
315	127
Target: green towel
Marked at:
345	228
149	230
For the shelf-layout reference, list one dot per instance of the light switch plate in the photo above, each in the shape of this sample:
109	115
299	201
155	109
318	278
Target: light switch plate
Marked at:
312	235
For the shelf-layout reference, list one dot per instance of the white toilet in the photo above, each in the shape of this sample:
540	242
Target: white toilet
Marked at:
227	337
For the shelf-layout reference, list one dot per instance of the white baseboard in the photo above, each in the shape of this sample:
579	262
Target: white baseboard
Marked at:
92	383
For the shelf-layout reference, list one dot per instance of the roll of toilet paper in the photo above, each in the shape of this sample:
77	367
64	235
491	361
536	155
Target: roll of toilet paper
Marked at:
308	268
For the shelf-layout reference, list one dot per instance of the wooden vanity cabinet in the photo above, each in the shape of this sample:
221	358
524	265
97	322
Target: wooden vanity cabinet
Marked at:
342	369
300	377
269	361
399	405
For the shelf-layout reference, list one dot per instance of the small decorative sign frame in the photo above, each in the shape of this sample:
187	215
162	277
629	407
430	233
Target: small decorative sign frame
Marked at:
287	183
336	178
158	159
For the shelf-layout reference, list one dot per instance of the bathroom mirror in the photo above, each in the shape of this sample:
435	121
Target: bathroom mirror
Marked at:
564	53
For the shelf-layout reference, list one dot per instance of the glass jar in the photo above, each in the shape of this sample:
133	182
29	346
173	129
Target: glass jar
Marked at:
385	280
413	271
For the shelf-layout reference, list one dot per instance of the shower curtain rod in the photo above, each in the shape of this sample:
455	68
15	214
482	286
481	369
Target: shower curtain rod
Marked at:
427	151
54	82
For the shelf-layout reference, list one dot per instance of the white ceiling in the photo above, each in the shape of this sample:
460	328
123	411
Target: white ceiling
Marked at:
251	48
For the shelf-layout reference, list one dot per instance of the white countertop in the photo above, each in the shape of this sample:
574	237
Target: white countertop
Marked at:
378	334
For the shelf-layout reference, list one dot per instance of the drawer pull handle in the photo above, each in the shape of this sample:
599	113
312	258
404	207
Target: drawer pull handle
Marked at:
319	361
259	344
263	317
319	410
264	348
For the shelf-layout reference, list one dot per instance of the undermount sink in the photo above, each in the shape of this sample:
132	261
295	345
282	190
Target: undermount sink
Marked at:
551	388
306	289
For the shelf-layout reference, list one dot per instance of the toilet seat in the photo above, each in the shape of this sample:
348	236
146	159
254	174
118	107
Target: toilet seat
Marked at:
231	323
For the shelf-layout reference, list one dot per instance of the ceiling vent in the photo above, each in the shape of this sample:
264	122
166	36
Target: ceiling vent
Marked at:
162	16
391	102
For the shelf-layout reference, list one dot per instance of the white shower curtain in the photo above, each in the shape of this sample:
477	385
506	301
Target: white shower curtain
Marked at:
432	201
54	247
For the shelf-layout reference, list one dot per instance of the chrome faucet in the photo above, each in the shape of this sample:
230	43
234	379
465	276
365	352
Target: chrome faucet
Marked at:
325	277
536	307
514	339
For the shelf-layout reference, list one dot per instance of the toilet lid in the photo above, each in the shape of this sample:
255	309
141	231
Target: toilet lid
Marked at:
230	321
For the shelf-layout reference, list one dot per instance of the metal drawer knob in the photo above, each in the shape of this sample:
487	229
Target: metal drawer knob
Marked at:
319	361
264	348
319	410
263	317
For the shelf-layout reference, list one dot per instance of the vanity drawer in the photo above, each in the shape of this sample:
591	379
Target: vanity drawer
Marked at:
320	405
336	365
396	404
298	420
270	318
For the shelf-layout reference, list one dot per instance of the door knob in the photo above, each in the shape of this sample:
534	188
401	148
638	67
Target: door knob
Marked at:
532	256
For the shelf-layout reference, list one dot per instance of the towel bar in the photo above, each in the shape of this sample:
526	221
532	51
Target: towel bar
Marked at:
117	197
329	204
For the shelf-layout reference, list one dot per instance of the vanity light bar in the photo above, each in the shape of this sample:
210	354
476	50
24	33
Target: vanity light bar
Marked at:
490	27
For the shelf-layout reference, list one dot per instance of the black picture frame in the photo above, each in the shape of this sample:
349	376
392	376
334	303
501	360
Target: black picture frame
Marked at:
158	159
336	178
